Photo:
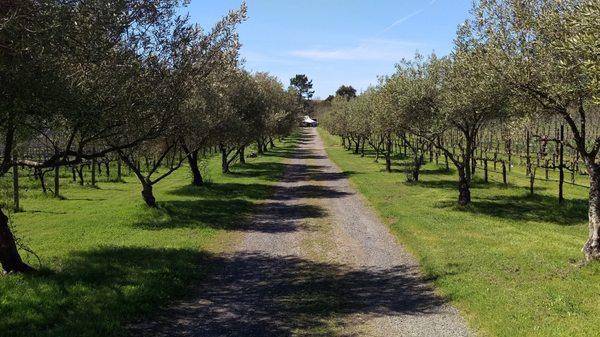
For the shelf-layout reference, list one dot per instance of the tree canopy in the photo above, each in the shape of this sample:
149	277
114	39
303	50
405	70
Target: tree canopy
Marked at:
514	63
89	80
346	91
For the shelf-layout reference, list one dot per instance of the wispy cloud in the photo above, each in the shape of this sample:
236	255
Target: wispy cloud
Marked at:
269	58
409	16
365	50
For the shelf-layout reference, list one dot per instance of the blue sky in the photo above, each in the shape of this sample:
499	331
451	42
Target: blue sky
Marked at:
337	42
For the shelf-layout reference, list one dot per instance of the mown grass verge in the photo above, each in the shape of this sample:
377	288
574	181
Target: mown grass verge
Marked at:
510	262
108	259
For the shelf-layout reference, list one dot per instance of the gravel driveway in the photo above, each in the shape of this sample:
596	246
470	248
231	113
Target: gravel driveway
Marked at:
316	261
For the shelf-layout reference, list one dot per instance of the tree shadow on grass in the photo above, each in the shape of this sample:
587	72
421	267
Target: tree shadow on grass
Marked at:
528	208
215	190
229	206
85	199
478	184
97	290
257	191
267	171
264	295
303	137
423	172
298	173
309	156
279	152
296	153
438	171
405	167
308	192
229	214
46	211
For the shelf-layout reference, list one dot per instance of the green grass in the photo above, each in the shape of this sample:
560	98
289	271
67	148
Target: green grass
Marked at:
108	259
509	262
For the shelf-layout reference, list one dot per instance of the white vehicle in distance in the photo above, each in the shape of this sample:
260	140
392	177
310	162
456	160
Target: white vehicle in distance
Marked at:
309	122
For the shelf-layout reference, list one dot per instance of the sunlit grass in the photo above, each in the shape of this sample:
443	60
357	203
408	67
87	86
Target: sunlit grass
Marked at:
510	262
107	258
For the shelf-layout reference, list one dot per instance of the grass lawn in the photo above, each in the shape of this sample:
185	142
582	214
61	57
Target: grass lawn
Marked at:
509	262
107	258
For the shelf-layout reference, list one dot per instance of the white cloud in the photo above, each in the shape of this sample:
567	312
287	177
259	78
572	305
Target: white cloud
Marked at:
365	50
259	57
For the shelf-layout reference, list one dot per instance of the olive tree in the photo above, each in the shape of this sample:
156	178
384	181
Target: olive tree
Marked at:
547	51
188	59
471	98
454	95
282	111
414	96
82	65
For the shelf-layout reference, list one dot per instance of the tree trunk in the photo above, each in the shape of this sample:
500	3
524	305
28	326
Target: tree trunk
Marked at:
148	195
80	173
224	161
259	146
16	206
357	146
528	153
591	249
446	162
9	255
495	160
362	150
119	170
94	172
196	175
42	176
349	146
378	150
271	142
464	186
485	171
56	181
107	168
531	180
388	155
464	171
8	147
417	167
242	154
561	165
504	179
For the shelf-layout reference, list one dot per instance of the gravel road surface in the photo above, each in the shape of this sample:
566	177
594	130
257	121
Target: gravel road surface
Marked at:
316	261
